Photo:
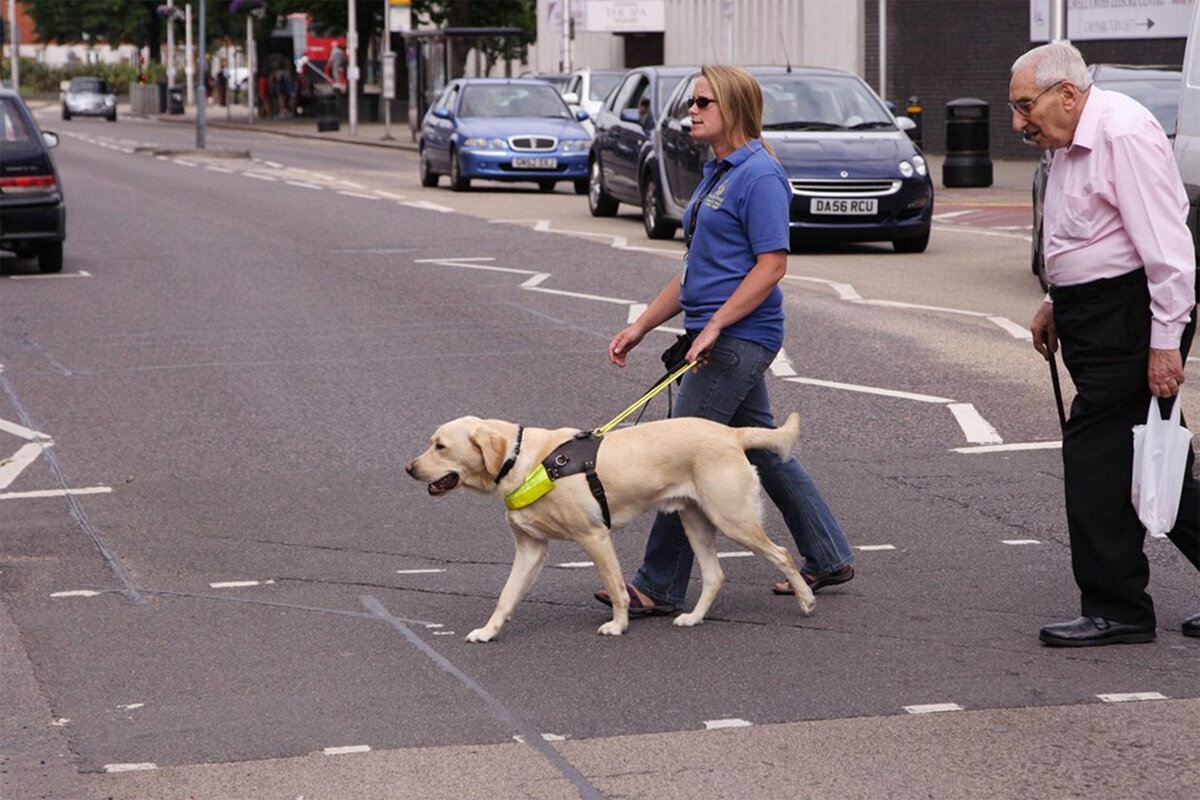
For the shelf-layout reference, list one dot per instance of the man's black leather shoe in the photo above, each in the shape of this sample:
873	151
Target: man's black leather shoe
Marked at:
1191	627
1091	631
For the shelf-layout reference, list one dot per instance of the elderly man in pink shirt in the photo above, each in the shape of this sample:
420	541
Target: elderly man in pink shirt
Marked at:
1121	266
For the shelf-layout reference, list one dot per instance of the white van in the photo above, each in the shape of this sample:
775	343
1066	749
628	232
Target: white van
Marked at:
1187	133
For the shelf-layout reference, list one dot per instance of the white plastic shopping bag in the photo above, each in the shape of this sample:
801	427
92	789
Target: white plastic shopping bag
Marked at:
1160	449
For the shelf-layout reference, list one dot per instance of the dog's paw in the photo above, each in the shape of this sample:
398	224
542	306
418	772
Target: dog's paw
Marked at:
807	604
688	620
480	635
611	628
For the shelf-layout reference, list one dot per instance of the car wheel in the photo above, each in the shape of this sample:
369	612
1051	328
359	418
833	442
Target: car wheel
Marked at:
913	244
66	113
50	257
112	117
652	218
429	178
581	186
545	186
457	182
600	202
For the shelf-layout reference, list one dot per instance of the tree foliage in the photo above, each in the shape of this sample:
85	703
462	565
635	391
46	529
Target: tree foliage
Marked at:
116	22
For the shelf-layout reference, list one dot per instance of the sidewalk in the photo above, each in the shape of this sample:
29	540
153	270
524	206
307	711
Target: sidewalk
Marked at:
236	117
1012	179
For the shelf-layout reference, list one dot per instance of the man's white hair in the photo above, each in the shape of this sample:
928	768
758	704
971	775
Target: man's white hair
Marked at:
1055	62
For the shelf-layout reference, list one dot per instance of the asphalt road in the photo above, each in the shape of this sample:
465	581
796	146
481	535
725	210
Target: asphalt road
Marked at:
216	580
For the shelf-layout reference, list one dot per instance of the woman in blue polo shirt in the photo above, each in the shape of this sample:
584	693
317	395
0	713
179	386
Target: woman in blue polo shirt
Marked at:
736	230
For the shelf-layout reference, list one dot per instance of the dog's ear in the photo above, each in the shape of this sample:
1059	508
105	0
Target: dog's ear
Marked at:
492	445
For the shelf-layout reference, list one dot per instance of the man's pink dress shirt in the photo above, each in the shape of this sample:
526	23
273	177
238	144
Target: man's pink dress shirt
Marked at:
1114	203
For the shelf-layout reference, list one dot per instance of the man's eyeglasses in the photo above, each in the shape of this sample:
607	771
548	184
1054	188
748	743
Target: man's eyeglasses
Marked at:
1023	107
699	102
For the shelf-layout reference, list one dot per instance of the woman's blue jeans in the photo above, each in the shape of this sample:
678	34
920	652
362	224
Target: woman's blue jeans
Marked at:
730	389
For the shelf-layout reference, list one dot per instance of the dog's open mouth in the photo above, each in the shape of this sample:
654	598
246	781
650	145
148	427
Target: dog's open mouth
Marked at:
443	484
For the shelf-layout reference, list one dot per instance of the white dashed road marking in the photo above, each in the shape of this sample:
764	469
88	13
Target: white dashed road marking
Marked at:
933	708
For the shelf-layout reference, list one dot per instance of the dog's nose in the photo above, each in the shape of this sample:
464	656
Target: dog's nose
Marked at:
409	467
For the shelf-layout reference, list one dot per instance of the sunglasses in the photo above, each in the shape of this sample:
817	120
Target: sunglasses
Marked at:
699	102
1023	107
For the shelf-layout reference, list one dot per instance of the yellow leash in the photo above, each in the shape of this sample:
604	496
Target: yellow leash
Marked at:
608	426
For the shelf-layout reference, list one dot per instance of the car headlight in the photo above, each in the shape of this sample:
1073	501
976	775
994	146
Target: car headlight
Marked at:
110	100
920	166
906	169
575	145
483	143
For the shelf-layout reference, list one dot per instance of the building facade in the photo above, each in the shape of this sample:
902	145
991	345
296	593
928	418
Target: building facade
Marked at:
936	50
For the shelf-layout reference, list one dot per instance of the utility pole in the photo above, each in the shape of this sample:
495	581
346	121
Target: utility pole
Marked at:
352	65
202	105
170	45
189	56
14	44
883	50
1058	20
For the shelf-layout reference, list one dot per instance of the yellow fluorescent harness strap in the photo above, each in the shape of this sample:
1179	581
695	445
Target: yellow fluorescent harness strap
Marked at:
537	484
642	400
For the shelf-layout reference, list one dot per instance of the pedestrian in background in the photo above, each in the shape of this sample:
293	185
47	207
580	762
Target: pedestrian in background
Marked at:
737	240
1121	267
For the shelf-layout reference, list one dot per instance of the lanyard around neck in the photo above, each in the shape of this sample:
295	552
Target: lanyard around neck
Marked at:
721	169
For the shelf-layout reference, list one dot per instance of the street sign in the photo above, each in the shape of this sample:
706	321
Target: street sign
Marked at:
1114	19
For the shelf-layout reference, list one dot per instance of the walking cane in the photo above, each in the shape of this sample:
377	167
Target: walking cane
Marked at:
1062	416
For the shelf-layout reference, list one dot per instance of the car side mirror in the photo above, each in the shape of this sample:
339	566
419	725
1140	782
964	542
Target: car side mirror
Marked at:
571	99
442	113
50	138
64	86
905	124
581	115
631	115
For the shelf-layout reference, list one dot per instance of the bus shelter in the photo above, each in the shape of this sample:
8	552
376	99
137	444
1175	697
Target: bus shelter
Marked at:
436	57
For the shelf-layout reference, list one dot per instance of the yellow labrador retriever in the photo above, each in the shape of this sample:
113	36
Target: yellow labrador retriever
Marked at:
696	467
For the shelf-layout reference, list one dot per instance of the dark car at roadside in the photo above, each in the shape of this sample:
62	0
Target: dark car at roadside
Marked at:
32	211
1155	87
622	151
855	174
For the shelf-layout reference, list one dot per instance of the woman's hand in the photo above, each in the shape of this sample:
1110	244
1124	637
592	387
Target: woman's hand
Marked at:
703	342
622	343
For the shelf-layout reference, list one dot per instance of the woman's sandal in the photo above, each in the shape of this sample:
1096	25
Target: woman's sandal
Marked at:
815	582
636	607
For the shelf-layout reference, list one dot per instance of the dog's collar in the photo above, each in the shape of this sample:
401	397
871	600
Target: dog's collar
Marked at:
512	460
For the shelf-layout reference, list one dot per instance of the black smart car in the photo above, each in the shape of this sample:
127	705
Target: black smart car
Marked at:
33	218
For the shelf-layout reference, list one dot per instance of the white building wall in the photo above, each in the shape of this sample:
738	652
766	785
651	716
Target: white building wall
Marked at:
827	33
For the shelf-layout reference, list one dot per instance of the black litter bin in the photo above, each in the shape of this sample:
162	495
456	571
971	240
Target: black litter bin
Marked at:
327	112
175	100
967	162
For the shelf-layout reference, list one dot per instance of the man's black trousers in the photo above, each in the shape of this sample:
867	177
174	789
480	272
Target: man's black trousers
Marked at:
1103	328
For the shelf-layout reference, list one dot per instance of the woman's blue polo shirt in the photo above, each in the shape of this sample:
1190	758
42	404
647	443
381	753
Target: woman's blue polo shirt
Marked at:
743	214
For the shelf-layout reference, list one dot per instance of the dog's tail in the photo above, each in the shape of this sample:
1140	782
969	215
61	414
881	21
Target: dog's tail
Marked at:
780	440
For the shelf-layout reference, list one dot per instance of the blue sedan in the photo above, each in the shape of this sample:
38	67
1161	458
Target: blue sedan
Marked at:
503	130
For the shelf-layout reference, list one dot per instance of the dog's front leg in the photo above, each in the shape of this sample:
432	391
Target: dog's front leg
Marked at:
599	548
531	554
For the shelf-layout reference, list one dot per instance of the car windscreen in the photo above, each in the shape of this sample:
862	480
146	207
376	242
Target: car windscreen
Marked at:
1161	97
821	102
13	127
512	101
89	85
601	85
